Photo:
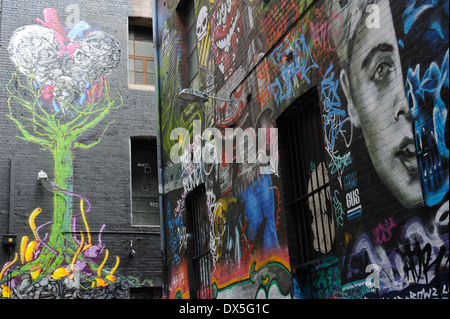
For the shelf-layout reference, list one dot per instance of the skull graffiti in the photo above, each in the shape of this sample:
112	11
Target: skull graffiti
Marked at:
66	65
202	23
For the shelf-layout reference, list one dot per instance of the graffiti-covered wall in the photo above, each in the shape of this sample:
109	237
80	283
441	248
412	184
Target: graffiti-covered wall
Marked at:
380	73
66	110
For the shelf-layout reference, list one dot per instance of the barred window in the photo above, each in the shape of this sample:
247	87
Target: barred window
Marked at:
303	151
197	233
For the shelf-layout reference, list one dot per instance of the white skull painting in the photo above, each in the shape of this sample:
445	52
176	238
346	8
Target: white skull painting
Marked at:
66	64
202	23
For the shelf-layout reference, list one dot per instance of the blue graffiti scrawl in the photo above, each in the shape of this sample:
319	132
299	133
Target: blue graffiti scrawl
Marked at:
427	89
290	73
430	130
260	210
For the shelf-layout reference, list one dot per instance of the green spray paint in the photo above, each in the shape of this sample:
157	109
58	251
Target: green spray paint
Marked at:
59	134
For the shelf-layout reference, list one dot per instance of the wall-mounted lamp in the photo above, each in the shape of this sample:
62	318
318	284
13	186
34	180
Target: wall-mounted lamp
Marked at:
193	95
42	176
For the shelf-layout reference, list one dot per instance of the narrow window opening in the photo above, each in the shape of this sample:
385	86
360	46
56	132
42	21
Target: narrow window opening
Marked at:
197	233
144	182
188	41
302	152
141	62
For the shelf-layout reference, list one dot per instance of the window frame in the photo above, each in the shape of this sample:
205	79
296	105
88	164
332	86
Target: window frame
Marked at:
192	55
150	142
301	143
199	253
132	56
187	26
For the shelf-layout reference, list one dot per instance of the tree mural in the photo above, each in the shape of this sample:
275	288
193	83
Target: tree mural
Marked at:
57	93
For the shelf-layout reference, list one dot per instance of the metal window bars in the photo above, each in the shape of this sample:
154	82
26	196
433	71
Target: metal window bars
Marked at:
310	200
201	260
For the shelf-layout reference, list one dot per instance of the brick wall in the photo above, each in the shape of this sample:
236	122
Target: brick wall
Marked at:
101	173
377	115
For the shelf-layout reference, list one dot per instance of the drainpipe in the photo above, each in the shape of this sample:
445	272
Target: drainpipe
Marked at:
12	169
165	279
9	239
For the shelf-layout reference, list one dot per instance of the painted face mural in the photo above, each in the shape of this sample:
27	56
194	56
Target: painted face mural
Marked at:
226	26
385	172
377	103
398	104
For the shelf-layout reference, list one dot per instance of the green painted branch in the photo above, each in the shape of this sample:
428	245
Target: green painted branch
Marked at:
88	146
28	136
96	120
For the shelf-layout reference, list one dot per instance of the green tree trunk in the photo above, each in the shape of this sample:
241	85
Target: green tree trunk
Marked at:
62	203
60	240
62	247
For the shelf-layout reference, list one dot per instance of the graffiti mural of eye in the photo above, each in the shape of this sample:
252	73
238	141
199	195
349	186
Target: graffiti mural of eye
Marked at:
382	71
